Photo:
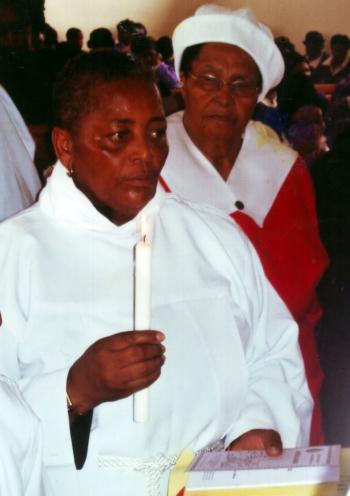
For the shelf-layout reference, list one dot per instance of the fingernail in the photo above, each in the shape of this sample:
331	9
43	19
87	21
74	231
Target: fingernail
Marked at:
275	449
160	336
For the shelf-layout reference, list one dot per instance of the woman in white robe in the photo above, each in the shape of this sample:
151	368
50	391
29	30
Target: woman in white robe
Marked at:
233	371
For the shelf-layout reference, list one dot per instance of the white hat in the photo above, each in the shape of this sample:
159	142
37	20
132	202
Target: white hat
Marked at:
212	23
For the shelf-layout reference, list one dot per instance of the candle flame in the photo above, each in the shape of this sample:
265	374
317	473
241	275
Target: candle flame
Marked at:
144	227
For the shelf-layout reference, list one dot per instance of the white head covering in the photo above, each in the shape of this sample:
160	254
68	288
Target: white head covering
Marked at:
212	23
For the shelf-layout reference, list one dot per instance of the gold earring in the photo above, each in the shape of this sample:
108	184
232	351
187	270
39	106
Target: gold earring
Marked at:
70	172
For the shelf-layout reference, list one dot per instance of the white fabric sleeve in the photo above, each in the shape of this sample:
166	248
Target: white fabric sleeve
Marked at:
278	395
19	179
21	471
45	393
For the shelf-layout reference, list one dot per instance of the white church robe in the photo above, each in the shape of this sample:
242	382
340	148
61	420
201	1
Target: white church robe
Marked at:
20	444
233	362
19	180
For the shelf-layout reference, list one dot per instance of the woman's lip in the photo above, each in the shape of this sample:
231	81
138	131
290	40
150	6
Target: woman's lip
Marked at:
222	118
141	181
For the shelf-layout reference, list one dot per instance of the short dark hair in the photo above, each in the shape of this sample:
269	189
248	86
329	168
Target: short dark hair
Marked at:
340	39
73	33
142	46
139	29
188	56
124	29
125	26
315	38
100	38
164	46
72	97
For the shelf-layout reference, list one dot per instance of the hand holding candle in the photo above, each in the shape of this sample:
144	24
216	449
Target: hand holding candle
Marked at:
142	308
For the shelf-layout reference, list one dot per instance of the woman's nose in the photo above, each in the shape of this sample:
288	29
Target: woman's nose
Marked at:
225	95
142	150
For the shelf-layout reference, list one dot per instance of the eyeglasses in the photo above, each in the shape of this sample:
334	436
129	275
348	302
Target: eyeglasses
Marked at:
240	88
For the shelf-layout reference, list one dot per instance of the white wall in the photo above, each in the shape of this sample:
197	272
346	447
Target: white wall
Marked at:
291	18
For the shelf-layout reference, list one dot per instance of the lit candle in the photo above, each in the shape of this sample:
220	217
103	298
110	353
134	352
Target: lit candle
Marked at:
142	308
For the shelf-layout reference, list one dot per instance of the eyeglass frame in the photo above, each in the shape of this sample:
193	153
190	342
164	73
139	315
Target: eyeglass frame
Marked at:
232	85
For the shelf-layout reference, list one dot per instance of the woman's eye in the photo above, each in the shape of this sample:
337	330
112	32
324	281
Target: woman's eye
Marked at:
158	133
209	77
119	135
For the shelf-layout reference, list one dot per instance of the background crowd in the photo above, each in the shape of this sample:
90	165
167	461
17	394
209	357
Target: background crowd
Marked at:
309	110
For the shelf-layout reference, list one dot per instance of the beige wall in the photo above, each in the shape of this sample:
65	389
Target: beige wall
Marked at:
292	18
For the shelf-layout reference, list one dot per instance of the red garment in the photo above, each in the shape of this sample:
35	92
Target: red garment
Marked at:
294	260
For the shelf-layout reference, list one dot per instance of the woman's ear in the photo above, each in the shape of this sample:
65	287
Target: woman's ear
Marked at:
63	145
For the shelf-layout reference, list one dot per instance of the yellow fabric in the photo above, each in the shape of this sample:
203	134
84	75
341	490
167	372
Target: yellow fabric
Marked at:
179	476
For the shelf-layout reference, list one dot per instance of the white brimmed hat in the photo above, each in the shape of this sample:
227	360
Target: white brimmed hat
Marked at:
212	23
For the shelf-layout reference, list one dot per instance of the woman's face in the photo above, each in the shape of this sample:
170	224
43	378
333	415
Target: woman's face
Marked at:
119	148
219	114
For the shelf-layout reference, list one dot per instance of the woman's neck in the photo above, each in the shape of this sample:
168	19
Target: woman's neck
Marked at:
220	151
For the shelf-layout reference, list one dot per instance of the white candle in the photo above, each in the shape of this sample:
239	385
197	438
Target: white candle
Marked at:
142	308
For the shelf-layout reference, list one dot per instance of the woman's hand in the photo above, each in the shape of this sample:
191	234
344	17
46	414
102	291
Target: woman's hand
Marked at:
259	439
115	367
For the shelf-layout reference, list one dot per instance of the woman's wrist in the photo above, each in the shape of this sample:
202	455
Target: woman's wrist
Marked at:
76	404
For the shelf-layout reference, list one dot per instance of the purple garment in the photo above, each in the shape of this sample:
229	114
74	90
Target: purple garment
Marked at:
120	47
167	76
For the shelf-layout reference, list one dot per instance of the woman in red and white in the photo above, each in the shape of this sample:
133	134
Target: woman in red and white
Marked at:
227	61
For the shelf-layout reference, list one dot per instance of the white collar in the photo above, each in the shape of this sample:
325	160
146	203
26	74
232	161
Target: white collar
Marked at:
63	200
260	170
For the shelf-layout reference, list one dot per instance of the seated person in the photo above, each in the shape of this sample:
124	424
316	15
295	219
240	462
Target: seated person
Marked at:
100	38
127	31
233	371
305	133
336	67
314	51
20	446
164	47
144	49
75	38
338	113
